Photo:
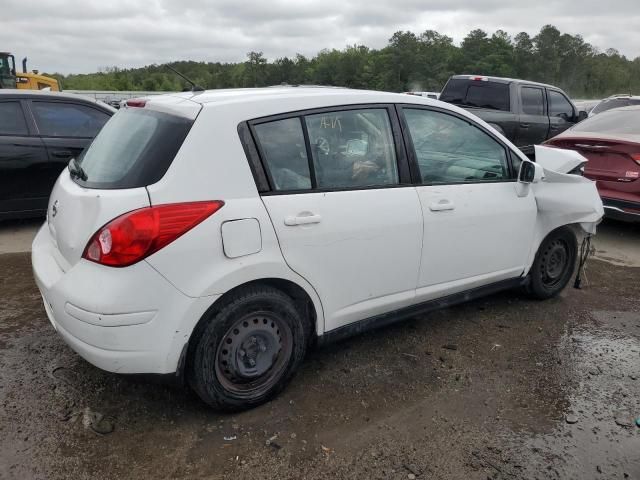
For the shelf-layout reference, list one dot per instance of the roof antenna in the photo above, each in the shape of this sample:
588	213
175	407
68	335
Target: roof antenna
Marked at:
194	87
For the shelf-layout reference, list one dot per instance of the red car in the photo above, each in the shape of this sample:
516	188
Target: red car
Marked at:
611	143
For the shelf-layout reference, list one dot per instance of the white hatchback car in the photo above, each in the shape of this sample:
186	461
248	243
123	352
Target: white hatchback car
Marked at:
218	234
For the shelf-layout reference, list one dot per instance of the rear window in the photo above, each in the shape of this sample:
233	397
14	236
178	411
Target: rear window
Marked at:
477	93
134	149
613	121
605	105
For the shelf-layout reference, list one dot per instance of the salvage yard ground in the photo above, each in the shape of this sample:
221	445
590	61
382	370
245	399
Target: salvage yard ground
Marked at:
502	388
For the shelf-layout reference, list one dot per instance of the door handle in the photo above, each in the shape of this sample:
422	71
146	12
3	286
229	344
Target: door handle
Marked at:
292	221
62	153
524	125
440	205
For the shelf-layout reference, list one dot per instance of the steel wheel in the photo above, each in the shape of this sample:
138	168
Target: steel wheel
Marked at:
253	354
554	262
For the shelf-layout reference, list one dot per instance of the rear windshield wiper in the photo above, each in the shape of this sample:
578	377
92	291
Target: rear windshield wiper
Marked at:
76	170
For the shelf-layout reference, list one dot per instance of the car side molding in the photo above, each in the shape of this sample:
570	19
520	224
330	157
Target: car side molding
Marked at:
389	318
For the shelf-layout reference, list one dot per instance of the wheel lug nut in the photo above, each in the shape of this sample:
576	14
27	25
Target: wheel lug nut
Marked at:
242	353
252	362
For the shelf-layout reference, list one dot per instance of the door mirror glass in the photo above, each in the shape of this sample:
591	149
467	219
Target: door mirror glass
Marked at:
527	172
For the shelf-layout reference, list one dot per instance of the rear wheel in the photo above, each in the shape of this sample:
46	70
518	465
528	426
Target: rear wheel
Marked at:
248	350
554	264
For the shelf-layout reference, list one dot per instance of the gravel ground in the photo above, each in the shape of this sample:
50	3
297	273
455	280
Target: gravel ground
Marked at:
500	388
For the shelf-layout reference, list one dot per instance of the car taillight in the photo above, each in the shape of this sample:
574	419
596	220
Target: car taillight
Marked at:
131	237
636	157
136	102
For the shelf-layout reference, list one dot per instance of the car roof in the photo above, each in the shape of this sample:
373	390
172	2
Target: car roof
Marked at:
315	94
505	80
43	94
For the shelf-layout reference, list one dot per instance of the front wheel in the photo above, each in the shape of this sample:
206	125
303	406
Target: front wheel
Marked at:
554	264
249	350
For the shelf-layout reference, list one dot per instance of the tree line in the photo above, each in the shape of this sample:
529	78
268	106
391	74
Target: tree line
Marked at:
409	61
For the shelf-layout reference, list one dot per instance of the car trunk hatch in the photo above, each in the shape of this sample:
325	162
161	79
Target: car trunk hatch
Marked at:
610	160
75	213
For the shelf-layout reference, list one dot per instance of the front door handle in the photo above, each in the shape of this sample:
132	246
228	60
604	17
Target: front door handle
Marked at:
440	205
62	153
524	125
292	220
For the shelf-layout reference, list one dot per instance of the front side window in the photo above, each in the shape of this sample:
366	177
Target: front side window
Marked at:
532	101
352	148
559	106
451	150
12	120
58	119
284	153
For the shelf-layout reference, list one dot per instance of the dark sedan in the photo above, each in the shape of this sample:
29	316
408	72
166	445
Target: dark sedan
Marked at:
39	133
611	143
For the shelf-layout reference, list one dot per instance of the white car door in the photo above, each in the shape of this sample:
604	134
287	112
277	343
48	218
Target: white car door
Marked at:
345	219
477	230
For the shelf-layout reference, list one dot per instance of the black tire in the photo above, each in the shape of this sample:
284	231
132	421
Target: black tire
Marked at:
554	264
247	350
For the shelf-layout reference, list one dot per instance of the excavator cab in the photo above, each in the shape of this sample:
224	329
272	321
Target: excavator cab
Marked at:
7	70
10	78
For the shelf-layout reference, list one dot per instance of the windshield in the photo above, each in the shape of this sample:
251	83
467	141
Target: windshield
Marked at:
134	149
477	93
612	121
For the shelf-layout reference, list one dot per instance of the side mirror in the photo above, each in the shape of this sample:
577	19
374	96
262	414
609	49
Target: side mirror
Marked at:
530	173
582	115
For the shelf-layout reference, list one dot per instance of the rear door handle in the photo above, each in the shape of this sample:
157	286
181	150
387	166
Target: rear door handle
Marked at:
62	153
292	220
440	205
524	125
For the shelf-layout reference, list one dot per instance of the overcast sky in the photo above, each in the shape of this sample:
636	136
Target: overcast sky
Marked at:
79	36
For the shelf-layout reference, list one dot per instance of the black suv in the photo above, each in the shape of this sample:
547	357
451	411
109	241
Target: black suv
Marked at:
39	133
527	113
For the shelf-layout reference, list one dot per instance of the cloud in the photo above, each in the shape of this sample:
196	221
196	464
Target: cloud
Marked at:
72	36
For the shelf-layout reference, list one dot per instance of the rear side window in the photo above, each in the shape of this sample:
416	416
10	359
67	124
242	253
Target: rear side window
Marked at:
285	155
477	93
12	120
59	119
612	121
532	101
451	150
559	106
134	149
352	148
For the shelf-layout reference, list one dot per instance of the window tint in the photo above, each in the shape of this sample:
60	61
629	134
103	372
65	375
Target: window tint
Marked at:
12	120
532	100
477	93
134	149
559	106
450	150
285	155
352	148
58	119
612	121
605	105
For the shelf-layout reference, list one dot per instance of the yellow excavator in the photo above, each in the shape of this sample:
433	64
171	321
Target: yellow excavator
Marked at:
10	78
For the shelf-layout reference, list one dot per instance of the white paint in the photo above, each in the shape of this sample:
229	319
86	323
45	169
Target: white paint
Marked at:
241	237
355	253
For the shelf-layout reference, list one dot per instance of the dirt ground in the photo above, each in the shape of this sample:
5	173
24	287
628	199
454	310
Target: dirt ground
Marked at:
500	388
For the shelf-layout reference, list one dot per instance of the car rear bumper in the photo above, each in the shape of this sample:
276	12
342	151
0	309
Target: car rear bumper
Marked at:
621	209
123	320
